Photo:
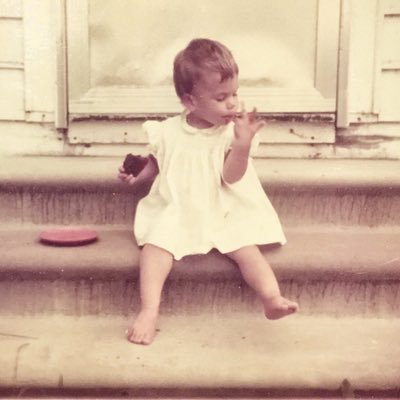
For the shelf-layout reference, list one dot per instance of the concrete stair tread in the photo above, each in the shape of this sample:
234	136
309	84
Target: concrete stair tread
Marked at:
331	269
102	171
85	190
236	351
311	252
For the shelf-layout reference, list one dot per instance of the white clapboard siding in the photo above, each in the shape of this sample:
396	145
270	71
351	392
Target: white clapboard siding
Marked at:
11	61
11	39
387	87
10	8
12	94
391	41
40	57
390	98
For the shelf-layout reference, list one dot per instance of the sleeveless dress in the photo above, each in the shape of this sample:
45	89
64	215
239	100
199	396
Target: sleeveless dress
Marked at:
190	209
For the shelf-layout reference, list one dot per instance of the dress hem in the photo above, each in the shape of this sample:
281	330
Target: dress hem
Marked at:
178	257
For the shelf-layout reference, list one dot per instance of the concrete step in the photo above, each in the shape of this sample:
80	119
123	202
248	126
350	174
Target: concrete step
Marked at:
328	270
64	310
240	355
85	190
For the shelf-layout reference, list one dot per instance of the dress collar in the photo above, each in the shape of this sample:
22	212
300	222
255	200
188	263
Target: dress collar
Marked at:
205	131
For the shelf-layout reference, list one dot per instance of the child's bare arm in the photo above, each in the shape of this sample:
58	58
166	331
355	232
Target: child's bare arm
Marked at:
246	126
236	163
146	175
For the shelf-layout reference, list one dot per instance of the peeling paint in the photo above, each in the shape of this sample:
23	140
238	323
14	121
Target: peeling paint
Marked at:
280	117
364	141
119	117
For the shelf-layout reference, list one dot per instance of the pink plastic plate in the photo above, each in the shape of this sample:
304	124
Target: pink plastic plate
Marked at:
68	236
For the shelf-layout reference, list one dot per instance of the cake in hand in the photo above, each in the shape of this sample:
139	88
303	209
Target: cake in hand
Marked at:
133	165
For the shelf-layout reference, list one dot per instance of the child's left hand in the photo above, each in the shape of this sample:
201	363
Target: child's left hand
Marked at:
247	124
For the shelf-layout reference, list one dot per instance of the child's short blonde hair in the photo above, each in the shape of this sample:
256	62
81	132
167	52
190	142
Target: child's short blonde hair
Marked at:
202	55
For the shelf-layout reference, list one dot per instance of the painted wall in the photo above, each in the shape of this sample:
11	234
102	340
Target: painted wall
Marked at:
12	105
374	85
28	84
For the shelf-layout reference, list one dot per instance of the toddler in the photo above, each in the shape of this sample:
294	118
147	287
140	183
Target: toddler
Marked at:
205	193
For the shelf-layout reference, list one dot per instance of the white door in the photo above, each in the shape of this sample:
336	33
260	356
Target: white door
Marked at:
120	52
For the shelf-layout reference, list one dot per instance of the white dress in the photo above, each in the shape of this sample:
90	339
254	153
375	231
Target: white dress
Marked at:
190	209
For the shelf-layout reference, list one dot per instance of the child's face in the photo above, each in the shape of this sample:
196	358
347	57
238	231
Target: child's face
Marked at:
212	102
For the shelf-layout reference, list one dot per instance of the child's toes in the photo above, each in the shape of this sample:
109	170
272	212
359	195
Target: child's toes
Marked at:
147	339
132	335
293	307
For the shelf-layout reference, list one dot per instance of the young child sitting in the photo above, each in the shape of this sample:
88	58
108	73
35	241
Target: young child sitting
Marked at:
206	193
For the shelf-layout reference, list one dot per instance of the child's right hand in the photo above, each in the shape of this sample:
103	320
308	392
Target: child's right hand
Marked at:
144	177
126	178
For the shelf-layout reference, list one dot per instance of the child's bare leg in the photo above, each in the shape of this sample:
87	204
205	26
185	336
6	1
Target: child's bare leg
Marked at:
155	265
259	276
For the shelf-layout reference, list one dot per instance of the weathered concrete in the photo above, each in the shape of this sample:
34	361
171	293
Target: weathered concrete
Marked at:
68	205
85	190
240	352
100	171
64	310
329	271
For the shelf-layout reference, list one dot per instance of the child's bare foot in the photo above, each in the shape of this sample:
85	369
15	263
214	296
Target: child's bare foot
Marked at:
143	329
277	307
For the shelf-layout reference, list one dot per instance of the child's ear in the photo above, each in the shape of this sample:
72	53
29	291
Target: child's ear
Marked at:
188	101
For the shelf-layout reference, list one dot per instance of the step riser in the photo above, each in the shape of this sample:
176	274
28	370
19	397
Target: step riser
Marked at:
66	208
294	207
337	207
94	297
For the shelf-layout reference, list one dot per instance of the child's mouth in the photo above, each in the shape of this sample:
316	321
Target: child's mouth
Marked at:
230	117
227	119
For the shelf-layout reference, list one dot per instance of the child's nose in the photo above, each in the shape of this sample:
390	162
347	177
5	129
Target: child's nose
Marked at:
231	103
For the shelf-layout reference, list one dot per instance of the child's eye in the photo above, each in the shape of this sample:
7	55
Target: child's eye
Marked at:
223	97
